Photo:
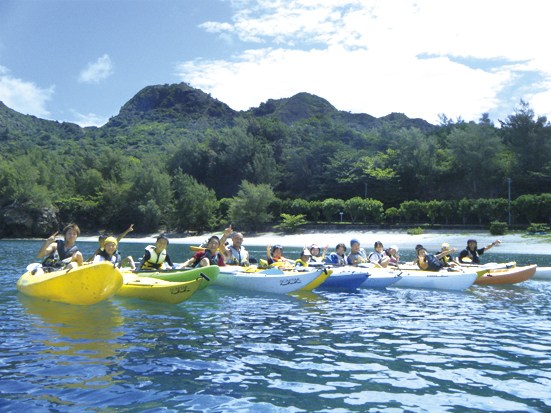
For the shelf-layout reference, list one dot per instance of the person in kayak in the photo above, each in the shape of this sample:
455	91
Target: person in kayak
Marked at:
110	253
58	251
274	255
155	255
447	259
315	253
393	256
305	256
379	257
416	259
234	254
103	237
357	254
338	257
430	262
472	254
210	256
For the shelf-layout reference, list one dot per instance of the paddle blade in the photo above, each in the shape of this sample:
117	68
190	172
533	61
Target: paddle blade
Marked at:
33	266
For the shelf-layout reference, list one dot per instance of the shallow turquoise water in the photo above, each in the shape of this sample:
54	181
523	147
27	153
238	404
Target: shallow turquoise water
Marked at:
393	350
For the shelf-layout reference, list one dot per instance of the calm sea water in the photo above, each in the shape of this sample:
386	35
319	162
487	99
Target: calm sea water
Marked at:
394	350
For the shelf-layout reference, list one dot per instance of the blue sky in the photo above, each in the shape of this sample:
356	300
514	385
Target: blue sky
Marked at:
81	60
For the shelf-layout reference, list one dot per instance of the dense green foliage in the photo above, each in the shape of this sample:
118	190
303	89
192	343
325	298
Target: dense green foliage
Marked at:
177	158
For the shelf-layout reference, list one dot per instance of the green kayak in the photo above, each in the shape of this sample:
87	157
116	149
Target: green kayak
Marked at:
183	275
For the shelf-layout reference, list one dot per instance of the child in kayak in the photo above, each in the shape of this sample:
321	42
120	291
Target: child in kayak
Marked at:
103	237
155	255
208	257
275	257
339	257
447	260
392	254
109	253
430	262
305	256
379	257
357	255
315	253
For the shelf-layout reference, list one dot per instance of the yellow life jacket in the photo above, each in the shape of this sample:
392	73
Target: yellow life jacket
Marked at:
155	260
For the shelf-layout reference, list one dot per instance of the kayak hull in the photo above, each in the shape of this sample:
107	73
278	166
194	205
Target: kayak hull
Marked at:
154	289
184	275
346	277
381	279
542	273
268	281
85	285
507	276
318	281
441	280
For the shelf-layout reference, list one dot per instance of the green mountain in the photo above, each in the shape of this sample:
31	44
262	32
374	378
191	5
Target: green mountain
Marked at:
163	114
178	104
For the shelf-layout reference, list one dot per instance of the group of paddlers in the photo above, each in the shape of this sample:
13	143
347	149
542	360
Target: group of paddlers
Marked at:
64	253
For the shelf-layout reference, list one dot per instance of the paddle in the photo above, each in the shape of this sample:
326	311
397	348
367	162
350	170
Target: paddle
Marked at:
37	265
33	266
163	270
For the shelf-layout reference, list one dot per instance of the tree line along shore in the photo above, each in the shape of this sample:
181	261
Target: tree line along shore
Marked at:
177	159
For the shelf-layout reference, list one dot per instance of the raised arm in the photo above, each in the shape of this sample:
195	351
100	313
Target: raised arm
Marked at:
487	247
130	228
222	247
443	254
48	247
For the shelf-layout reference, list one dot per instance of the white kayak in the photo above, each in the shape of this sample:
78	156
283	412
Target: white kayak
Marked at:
441	280
381	279
268	281
542	273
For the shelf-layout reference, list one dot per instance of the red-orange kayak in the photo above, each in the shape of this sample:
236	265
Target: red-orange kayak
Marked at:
507	276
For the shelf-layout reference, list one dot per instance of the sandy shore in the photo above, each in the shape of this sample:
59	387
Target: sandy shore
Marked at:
511	243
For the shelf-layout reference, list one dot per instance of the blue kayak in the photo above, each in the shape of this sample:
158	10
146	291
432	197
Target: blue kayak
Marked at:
346	277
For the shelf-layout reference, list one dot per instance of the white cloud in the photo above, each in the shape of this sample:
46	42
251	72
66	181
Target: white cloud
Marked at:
22	96
353	81
362	55
96	71
542	102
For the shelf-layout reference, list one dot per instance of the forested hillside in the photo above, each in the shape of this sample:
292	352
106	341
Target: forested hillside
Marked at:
174	156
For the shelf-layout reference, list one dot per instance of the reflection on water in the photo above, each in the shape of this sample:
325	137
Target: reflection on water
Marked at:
484	349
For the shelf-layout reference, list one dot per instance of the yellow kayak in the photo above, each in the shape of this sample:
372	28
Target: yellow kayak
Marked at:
154	289
84	285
